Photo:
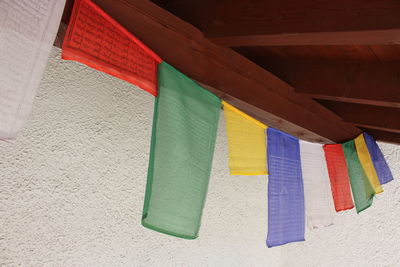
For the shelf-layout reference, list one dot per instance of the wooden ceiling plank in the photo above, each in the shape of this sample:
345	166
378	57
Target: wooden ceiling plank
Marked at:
372	37
386	53
373	117
359	53
184	47
265	117
363	83
307	22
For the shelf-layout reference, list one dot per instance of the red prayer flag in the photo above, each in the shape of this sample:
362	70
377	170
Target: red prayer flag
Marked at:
97	40
339	177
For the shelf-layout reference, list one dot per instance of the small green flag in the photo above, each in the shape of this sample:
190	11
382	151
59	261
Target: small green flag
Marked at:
363	192
182	147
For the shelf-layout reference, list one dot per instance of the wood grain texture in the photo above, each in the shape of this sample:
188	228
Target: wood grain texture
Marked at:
290	22
330	53
184	47
371	37
362	83
325	50
367	116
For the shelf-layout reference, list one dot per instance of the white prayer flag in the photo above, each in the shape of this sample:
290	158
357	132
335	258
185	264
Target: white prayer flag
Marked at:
318	199
27	32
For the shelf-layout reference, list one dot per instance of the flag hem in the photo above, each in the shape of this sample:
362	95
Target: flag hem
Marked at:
248	173
163	231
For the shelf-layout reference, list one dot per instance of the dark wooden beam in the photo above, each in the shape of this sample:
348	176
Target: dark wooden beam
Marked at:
362	83
266	117
365	116
371	37
307	22
183	46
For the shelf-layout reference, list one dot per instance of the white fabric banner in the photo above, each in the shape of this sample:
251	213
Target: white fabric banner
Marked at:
27	32
319	205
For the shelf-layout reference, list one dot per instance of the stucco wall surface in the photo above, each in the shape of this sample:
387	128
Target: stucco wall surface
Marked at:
72	187
371	238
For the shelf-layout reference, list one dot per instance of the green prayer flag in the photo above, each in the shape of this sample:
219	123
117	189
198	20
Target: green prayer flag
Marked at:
363	192
182	147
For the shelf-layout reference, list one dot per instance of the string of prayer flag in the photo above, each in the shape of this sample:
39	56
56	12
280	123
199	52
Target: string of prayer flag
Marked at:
27	33
306	180
97	40
317	189
380	164
286	218
366	163
246	142
362	189
339	177
182	146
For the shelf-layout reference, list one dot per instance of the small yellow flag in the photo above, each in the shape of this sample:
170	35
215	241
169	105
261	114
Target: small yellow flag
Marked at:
366	163
246	142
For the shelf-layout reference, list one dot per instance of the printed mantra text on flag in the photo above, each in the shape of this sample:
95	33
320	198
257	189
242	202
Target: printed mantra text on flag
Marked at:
97	40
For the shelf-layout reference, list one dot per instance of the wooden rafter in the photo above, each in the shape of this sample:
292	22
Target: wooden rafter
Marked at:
371	37
293	22
232	75
367	116
362	83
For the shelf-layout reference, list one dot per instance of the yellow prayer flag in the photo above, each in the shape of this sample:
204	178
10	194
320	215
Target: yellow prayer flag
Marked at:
366	163
246	142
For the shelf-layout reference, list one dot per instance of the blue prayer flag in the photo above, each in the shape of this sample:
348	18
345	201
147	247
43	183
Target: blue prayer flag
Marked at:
380	164
286	214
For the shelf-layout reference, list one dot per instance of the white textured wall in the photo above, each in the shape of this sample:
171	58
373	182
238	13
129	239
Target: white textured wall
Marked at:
72	187
371	238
